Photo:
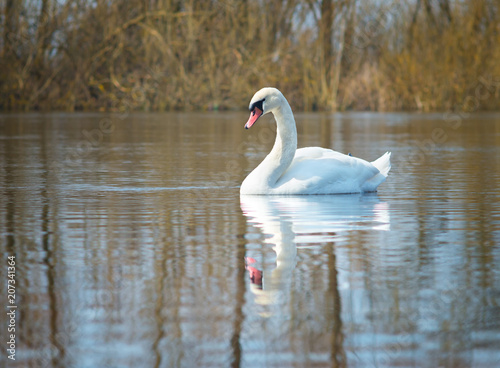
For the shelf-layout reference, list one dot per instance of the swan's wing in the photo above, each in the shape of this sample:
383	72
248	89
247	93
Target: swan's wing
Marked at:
320	170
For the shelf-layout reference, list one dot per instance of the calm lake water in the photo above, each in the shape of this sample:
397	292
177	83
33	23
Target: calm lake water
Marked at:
133	247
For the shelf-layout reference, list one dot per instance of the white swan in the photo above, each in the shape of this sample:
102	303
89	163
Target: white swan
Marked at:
311	170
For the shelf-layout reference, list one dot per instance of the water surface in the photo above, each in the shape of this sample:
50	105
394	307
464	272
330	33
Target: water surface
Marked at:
134	248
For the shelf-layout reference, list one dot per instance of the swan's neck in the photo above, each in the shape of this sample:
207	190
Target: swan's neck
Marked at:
281	156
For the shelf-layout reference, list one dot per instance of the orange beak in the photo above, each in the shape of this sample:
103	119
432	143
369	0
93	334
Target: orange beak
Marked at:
254	115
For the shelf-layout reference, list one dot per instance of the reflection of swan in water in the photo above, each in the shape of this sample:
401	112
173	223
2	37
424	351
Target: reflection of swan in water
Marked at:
286	252
292	220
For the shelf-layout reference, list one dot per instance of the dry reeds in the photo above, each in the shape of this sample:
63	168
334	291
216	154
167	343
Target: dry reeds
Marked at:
171	55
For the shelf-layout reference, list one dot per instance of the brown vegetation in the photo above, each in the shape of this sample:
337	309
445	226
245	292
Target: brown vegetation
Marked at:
207	54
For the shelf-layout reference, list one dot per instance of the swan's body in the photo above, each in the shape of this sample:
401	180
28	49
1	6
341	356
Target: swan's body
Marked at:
311	170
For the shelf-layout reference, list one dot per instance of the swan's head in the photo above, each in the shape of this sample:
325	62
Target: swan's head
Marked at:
263	102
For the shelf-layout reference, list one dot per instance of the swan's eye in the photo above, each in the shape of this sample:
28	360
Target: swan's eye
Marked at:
257	104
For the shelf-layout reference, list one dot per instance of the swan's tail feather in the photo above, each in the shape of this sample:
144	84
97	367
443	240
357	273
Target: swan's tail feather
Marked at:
383	163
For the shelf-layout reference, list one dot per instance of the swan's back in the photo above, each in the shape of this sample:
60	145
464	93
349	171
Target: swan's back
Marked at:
316	170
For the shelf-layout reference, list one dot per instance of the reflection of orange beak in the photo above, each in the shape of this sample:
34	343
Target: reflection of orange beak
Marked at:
255	274
254	115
